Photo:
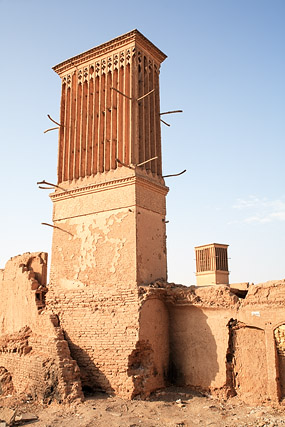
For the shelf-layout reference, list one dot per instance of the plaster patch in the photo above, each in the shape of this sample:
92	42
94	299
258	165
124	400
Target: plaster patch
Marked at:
95	231
71	284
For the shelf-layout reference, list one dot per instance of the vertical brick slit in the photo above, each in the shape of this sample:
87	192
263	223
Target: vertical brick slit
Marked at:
89	128
101	123
146	112
108	121
72	124
83	129
157	118
127	115
134	146
114	96
141	115
153	121
96	126
77	131
120	114
61	133
80	130
66	137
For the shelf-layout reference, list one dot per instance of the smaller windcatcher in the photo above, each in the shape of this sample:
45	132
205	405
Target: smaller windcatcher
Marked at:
212	264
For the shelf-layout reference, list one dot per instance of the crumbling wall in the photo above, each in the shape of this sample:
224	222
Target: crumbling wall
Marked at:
22	295
199	341
149	365
225	344
198	333
199	337
249	363
32	346
102	330
108	339
130	340
263	308
279	335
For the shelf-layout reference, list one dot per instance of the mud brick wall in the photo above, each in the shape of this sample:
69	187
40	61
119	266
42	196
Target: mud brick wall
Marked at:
105	337
199	341
18	289
223	344
41	366
279	335
32	346
263	309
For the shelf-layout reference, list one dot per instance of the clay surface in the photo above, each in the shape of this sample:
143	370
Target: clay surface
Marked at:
109	320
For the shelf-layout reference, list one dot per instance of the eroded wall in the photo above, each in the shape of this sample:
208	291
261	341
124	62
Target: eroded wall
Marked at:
32	346
199	342
154	338
223	344
119	341
133	340
18	291
279	335
102	330
250	364
199	336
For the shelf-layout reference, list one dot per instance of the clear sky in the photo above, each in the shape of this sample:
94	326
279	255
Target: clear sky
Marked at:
225	69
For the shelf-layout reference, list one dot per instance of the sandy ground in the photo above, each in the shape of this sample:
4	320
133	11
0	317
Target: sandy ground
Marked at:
173	407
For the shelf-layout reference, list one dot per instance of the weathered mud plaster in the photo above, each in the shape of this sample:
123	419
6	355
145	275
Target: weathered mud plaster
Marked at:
33	351
223	344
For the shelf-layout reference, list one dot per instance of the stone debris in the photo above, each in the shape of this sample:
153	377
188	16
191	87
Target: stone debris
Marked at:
8	416
180	403
25	418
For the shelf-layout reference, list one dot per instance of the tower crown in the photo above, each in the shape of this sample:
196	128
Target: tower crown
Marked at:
110	111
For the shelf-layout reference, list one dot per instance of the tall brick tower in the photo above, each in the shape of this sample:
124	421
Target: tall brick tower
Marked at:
112	203
109	216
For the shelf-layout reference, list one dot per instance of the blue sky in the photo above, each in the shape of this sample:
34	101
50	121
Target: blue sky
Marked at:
225	69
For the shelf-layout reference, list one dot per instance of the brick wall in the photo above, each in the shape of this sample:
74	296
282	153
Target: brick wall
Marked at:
32	346
107	337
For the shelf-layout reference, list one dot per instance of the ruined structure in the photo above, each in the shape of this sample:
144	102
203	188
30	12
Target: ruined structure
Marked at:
109	319
34	355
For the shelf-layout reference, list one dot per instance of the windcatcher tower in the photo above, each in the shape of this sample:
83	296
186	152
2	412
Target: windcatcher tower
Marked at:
212	264
109	216
110	201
